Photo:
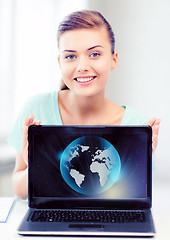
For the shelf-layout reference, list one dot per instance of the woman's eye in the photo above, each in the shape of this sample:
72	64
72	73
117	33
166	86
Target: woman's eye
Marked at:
70	57
94	55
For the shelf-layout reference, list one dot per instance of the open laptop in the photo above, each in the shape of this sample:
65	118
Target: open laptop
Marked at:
89	181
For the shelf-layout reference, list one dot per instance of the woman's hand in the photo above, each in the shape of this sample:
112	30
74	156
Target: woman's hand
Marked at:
154	123
24	148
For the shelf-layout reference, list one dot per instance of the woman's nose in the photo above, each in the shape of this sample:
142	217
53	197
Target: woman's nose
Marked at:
82	65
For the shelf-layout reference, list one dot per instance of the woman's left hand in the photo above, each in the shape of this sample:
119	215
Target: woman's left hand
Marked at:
154	123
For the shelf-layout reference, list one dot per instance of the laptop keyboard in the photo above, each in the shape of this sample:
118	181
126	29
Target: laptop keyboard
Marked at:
87	216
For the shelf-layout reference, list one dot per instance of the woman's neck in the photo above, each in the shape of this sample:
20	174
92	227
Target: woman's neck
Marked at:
97	110
86	105
84	110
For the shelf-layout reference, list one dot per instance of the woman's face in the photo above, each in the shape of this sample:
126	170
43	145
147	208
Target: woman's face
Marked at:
86	60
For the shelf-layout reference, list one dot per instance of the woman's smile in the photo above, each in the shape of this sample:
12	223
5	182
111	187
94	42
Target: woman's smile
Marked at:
85	80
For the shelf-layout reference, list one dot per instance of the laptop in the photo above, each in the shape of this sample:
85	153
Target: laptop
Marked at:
89	181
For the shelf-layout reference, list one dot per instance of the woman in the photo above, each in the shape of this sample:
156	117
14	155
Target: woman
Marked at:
86	57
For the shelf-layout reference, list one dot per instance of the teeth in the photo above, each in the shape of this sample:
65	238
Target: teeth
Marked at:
84	79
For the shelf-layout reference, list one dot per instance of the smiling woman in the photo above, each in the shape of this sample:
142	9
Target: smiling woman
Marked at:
86	58
86	20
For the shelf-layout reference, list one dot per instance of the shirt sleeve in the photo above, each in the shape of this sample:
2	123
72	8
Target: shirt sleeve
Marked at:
15	137
44	107
132	117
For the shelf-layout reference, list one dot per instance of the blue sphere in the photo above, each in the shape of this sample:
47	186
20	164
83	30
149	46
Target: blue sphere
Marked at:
90	165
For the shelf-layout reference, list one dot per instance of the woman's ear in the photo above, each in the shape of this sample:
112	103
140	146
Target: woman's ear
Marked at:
114	60
59	63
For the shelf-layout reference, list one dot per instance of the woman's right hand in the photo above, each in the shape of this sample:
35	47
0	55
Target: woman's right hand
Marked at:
24	149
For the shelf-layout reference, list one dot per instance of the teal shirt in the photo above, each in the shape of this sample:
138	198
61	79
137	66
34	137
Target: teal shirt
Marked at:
45	108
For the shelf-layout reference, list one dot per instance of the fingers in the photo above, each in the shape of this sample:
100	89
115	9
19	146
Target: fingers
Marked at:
37	123
155	133
154	123
151	122
24	148
28	122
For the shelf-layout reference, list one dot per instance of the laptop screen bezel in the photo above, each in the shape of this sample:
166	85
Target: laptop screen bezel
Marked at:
52	202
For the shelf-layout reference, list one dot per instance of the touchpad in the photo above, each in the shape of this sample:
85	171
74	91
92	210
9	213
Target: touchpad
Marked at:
83	226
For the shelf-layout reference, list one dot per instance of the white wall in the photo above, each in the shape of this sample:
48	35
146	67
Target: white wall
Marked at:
142	78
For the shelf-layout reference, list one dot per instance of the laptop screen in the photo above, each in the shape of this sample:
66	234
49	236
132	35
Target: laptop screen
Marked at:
88	165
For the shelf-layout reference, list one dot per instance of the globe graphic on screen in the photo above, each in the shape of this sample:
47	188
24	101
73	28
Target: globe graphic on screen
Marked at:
90	165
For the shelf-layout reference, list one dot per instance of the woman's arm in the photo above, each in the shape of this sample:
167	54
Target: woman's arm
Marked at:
20	177
20	174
